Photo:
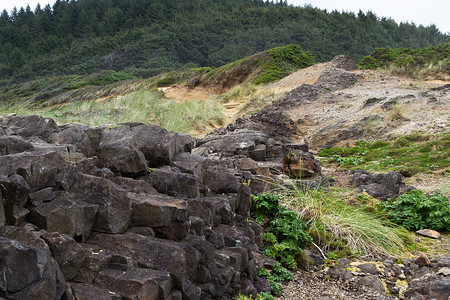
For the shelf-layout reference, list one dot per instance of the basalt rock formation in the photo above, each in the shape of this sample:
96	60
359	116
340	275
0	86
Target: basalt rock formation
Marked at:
132	212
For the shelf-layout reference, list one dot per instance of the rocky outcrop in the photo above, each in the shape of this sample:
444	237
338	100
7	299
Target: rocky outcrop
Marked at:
134	211
378	185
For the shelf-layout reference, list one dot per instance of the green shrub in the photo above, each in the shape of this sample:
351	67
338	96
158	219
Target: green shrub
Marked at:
284	237
413	211
405	57
166	81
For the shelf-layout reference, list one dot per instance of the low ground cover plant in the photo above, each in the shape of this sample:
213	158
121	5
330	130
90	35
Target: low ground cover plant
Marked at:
414	210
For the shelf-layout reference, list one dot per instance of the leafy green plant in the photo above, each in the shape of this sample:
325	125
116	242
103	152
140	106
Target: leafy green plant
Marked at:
284	238
414	210
285	233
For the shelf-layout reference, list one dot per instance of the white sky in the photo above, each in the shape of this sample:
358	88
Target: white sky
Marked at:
420	12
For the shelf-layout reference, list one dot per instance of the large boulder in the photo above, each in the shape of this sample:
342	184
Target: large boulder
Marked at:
28	272
378	185
171	181
68	253
14	144
28	126
118	152
59	215
39	168
114	206
159	145
84	138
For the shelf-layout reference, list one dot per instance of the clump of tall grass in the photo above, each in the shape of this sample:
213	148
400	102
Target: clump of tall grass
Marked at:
142	106
331	220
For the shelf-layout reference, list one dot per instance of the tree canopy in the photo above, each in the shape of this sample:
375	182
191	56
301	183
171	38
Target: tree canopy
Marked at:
146	37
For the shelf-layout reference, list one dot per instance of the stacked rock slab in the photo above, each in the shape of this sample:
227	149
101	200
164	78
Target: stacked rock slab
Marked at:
128	212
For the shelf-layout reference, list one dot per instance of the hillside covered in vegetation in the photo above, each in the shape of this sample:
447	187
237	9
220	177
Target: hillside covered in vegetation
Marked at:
146	37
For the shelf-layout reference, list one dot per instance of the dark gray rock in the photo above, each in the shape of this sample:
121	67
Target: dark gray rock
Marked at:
429	288
68	253
222	180
134	284
118	152
96	259
15	192
85	219
39	168
372	282
381	186
60	215
84	138
114	206
31	273
159	145
14	144
28	126
173	182
88	292
369	268
135	186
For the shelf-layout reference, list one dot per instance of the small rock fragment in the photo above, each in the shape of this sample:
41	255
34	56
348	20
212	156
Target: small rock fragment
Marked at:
422	261
444	271
429	233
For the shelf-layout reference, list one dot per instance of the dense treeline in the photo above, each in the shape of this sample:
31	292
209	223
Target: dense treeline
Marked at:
145	37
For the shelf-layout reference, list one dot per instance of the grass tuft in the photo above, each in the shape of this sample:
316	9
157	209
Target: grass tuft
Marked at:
332	222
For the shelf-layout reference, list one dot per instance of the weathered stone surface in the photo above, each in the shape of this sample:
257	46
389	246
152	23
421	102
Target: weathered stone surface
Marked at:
212	210
158	145
85	220
148	252
157	210
189	163
244	200
422	261
222	180
136	283
15	193
171	181
240	141
14	144
88	292
134	186
300	165
429	288
84	138
39	168
96	259
26	234
381	186
114	212
38	197
429	233
118	152
369	268
28	272
373	282
68	253
167	215
2	211
60	215
27	126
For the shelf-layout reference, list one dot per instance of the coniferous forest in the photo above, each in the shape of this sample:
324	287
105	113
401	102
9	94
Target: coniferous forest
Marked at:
146	37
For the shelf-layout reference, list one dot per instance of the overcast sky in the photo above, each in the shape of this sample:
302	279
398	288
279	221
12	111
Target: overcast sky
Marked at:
420	12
